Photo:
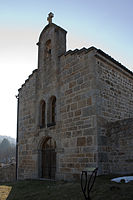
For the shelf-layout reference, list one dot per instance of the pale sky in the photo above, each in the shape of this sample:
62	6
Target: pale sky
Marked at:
105	24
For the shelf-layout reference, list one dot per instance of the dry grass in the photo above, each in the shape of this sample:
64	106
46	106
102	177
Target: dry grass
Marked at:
4	191
103	189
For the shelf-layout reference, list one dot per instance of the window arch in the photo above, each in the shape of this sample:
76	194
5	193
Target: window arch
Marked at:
48	48
52	111
42	113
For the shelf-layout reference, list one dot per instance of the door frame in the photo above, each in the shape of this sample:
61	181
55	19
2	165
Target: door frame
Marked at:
41	156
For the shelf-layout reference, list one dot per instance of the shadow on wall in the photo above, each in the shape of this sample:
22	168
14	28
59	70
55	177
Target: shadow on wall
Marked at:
120	135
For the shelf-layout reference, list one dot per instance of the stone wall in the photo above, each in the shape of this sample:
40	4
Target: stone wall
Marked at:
8	173
75	131
114	102
120	140
115	86
78	113
115	149
27	126
90	92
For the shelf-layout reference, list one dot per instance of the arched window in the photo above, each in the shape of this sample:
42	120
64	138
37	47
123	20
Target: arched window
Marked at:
53	107
42	114
52	111
48	48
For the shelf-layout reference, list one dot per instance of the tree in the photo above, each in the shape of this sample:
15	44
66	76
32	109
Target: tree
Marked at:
7	151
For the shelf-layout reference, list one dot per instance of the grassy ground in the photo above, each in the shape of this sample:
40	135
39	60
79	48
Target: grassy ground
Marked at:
103	189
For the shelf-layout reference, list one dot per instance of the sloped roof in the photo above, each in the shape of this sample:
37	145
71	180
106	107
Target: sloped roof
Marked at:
113	60
102	53
85	50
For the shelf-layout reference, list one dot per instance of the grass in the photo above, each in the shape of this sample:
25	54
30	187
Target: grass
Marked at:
103	189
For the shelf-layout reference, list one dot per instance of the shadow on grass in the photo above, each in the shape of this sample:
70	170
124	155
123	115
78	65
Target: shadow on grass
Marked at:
47	190
43	190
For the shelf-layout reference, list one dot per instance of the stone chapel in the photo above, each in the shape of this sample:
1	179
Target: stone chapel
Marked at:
74	111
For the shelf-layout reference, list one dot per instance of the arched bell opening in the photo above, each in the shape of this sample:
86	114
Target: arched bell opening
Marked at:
48	49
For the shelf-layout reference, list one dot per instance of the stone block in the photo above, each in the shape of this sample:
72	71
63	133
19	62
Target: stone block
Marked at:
81	141
82	103
68	134
73	106
89	131
67	92
89	101
89	155
65	169
102	140
77	112
70	165
82	160
102	157
89	140
76	133
76	177
80	80
72	84
70	114
88	111
77	88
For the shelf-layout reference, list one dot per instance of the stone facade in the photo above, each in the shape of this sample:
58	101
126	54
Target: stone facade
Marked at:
116	147
90	89
120	142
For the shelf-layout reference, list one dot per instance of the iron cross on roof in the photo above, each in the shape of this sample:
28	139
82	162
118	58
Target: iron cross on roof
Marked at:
49	18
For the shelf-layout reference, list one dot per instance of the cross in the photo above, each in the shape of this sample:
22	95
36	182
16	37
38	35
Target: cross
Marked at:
49	18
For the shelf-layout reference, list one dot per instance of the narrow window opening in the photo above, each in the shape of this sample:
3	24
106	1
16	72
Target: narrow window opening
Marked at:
53	109
42	115
52	112
48	48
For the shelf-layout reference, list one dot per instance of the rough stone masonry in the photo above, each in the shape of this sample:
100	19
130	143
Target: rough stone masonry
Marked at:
67	109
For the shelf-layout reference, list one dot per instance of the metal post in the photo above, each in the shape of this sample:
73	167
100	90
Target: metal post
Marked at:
89	181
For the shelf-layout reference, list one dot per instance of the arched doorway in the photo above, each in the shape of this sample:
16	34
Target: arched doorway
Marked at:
48	158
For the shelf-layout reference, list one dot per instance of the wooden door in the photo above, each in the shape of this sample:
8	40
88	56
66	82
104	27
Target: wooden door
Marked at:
49	160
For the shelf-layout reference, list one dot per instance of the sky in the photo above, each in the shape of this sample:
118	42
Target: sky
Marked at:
105	24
